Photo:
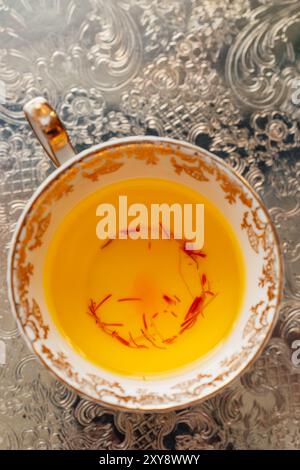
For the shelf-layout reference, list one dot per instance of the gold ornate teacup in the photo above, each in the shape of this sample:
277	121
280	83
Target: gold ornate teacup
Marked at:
76	177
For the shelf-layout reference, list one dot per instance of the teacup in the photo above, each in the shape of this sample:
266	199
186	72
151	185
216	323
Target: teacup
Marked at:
76	177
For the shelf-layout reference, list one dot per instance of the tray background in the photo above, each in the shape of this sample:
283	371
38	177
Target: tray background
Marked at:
217	73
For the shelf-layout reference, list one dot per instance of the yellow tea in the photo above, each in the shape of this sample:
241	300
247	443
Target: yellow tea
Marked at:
142	307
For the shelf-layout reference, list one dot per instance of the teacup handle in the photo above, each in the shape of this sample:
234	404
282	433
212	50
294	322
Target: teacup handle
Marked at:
49	130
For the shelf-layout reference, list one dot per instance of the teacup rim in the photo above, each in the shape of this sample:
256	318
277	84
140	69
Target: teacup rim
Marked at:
116	143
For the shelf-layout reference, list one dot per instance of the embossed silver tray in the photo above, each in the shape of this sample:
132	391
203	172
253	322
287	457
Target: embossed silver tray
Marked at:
219	73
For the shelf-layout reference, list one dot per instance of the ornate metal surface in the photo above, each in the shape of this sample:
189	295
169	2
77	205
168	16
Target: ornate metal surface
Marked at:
220	73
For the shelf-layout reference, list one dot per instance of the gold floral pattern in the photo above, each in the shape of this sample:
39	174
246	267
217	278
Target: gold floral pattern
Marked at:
41	229
199	171
108	166
34	228
259	236
258	321
33	319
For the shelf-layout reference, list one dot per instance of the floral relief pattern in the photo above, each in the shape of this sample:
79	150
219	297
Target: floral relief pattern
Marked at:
175	69
82	111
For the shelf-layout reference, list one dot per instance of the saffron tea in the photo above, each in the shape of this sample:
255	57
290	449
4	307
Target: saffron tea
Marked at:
143	306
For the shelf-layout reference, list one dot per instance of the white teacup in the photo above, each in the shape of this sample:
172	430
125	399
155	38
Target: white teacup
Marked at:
78	176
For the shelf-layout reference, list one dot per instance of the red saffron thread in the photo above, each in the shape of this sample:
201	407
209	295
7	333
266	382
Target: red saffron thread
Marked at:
197	306
129	299
145	322
140	346
150	340
188	325
194	306
170	340
196	253
119	338
106	243
169	300
181	275
157	331
102	301
187	321
169	235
